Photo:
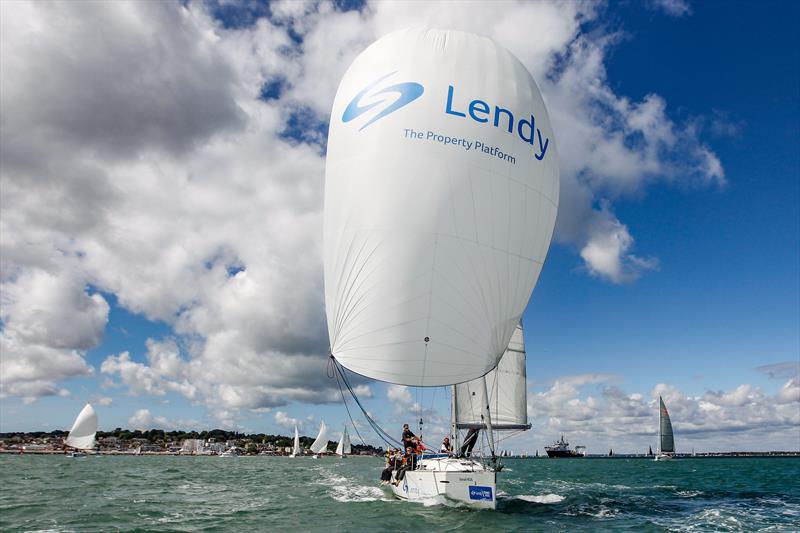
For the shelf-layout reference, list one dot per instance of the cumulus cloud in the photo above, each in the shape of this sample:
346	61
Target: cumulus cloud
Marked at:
604	415
49	321
284	420
143	419
399	394
175	161
673	8
165	371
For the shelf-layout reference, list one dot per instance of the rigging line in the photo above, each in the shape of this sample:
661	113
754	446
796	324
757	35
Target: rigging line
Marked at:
388	439
344	401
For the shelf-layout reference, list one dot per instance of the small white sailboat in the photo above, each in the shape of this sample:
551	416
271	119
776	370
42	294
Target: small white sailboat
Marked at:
666	440
320	444
82	435
296	447
343	448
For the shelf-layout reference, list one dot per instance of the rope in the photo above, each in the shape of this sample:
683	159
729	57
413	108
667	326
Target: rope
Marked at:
330	371
338	370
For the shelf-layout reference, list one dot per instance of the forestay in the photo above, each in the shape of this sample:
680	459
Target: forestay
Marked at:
507	387
82	434
441	191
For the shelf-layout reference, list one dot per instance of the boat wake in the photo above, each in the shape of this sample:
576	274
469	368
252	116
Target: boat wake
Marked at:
439	500
345	490
541	498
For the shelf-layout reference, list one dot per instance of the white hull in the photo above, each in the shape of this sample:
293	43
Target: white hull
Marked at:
663	457
459	480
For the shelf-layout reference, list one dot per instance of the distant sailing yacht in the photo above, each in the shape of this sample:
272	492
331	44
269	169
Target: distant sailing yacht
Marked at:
320	444
81	436
666	442
343	448
296	447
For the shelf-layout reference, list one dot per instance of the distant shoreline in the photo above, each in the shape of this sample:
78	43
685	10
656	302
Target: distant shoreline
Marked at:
718	455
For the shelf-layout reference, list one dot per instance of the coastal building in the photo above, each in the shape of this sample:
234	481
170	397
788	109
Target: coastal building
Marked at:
192	446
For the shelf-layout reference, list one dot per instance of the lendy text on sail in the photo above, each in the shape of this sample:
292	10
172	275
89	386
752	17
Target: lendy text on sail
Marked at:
411	133
479	111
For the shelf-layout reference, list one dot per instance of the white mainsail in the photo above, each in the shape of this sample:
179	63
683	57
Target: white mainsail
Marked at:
344	447
321	442
432	249
508	396
81	436
296	448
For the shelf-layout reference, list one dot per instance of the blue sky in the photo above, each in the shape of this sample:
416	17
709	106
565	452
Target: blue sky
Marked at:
180	222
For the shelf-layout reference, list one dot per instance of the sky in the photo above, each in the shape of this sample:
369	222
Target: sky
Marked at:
161	189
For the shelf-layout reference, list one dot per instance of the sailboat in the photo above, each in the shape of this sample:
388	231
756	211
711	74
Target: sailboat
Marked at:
344	448
666	441
82	435
296	447
432	249
320	444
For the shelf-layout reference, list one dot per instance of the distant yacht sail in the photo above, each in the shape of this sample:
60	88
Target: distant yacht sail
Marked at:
321	442
666	441
296	448
81	436
343	448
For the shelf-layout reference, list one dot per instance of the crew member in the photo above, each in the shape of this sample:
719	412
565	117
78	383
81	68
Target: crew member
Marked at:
469	442
446	446
409	439
392	464
409	463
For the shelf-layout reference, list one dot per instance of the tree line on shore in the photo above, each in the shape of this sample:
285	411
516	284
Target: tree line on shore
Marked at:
162	437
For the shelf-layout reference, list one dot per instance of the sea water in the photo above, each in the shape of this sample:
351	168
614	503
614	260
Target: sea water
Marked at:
158	493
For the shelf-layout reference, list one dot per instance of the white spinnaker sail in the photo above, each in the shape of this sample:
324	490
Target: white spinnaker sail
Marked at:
508	396
296	448
441	192
82	434
321	442
343	448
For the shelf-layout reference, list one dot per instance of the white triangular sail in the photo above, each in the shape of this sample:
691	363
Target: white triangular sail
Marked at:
343	448
441	192
83	431
296	448
321	442
508	396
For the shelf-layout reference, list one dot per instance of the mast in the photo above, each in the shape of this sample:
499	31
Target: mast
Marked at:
487	419
453	418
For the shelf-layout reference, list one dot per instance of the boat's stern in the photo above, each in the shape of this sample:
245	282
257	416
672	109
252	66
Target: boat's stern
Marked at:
478	489
458	480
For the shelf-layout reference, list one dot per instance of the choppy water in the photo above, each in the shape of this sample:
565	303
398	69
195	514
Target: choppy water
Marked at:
106	493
